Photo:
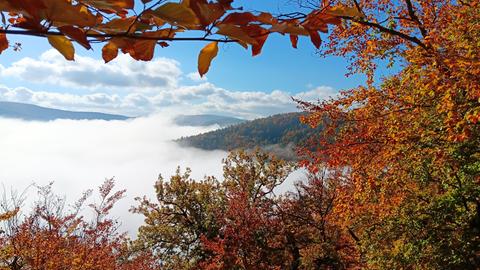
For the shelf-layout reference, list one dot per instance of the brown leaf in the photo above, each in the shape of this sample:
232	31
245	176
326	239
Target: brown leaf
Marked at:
206	56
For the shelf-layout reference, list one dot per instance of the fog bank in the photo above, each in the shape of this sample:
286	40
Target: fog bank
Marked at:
79	155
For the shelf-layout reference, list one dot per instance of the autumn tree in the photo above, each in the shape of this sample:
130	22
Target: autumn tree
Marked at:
52	236
250	235
183	213
408	148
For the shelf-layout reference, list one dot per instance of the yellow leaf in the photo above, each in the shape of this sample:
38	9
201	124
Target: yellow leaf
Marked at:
63	45
344	11
291	29
206	56
176	14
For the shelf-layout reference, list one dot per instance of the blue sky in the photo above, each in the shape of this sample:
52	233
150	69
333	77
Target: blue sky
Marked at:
235	77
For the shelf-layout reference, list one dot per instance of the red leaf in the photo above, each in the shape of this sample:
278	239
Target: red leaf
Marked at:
315	38
3	42
240	18
294	40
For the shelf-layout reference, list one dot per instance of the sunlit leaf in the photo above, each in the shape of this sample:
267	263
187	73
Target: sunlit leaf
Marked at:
119	25
206	56
235	32
63	45
76	34
109	51
111	5
63	12
143	50
344	11
176	14
286	28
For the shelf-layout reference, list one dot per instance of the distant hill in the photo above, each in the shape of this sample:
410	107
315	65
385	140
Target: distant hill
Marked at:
206	120
278	134
31	112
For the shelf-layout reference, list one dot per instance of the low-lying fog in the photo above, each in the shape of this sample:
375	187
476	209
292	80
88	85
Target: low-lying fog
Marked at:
79	155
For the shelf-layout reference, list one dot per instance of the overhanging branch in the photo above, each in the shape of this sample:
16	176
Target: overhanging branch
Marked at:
388	31
120	35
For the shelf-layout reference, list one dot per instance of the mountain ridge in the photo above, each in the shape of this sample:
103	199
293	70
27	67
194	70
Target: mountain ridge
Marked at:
31	112
206	120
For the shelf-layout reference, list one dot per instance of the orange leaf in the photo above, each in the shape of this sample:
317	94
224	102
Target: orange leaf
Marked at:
3	42
176	14
286	28
118	6
143	50
76	34
119	25
260	34
63	45
109	51
207	12
63	12
344	11
235	32
206	56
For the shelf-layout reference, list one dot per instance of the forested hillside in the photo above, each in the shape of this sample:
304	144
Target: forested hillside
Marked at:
200	120
283	130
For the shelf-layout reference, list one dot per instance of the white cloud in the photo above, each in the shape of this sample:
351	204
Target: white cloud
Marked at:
134	88
194	76
89	73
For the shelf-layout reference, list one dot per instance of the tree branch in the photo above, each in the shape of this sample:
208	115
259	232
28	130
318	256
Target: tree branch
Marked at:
388	31
121	35
411	13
